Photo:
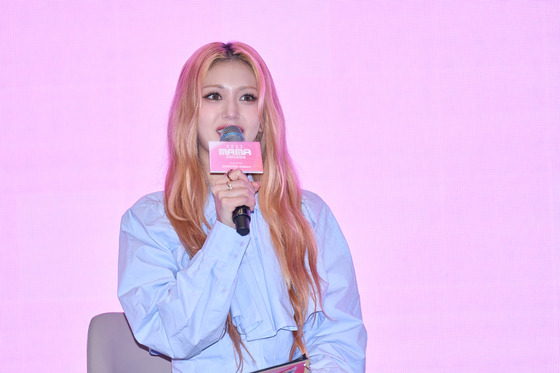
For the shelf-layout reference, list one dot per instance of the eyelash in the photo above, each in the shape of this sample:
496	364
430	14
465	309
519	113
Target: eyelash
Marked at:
248	95
212	94
252	97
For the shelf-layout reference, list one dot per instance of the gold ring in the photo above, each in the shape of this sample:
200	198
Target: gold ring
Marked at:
229	186
229	178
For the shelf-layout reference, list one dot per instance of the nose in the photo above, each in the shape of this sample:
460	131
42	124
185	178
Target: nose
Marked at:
231	108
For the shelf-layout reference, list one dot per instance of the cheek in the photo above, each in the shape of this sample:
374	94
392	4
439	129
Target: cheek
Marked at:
205	119
208	109
252	115
202	114
255	125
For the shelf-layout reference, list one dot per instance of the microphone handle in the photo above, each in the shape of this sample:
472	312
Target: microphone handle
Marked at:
241	218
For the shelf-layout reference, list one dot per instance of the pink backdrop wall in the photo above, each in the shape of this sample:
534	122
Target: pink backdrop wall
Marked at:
431	128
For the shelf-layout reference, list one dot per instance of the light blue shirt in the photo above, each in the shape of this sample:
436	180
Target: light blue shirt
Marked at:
178	306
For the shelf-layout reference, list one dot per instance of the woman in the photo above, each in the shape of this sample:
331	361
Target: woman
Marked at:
211	299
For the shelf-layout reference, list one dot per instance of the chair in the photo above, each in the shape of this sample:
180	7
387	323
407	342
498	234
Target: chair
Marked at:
111	348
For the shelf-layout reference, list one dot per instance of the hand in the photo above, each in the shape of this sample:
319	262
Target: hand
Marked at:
241	193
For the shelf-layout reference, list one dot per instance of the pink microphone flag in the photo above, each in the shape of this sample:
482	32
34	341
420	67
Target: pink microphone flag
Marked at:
245	156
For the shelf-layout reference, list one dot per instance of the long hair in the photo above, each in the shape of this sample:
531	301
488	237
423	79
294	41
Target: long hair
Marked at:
186	185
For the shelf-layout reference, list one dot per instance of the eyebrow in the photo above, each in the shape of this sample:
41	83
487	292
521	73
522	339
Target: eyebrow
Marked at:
222	87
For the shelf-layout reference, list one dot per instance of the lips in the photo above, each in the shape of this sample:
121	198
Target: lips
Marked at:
220	129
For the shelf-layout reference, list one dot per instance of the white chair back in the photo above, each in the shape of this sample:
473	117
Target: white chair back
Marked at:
111	348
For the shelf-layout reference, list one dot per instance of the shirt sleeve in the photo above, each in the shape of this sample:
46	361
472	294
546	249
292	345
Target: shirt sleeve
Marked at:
338	342
174	310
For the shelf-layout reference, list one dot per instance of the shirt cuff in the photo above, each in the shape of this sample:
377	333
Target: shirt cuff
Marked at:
224	243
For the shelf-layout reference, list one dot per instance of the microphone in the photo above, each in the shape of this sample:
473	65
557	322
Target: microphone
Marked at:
241	215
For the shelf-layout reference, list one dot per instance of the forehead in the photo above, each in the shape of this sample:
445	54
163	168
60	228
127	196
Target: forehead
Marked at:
230	72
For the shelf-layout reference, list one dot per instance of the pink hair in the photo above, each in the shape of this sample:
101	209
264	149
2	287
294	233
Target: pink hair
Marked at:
186	185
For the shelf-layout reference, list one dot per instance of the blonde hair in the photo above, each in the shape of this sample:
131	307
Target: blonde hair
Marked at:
279	196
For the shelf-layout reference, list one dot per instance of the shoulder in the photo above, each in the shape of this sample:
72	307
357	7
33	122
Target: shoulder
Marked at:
314	208
312	200
331	242
147	217
148	207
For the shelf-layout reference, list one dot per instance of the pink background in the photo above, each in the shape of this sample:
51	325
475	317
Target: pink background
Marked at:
431	128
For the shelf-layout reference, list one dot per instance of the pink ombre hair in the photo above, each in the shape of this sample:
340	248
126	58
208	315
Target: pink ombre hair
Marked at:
186	186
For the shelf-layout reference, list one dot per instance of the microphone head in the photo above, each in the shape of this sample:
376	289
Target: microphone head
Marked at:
231	133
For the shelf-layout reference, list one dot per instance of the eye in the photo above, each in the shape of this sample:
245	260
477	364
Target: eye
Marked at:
213	96
248	97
